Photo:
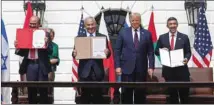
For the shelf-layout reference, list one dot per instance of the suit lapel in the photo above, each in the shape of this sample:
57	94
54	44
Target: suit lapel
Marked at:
167	40
177	39
130	36
141	35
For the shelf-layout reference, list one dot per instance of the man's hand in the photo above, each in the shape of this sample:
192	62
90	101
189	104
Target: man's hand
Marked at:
74	53
106	51
50	76
151	72
185	61
118	71
54	61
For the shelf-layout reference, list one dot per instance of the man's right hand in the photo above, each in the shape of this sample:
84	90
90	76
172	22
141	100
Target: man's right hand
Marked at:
74	53
118	71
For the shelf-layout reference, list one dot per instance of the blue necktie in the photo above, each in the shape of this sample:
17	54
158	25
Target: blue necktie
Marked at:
91	35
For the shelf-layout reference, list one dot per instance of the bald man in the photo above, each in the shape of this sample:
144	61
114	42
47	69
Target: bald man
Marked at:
133	50
91	69
36	65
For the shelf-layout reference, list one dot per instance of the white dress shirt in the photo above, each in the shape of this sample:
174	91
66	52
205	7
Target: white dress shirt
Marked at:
36	54
138	33
88	34
170	37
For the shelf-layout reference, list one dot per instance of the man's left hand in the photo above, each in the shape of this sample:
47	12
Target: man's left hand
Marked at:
150	72
106	51
53	61
185	61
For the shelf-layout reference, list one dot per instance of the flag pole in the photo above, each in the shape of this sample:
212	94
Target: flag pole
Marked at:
152	8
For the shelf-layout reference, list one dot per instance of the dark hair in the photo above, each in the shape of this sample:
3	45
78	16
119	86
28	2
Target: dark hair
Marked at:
52	31
172	18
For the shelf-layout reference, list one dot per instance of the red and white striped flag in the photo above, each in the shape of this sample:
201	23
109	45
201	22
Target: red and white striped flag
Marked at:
202	51
75	63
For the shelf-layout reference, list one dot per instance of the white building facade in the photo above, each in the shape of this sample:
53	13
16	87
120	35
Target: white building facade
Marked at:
64	18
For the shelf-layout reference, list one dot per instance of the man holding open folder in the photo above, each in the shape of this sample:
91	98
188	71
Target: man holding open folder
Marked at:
90	69
36	65
175	41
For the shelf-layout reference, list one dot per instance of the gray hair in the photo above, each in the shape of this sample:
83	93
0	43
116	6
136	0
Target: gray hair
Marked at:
90	17
134	14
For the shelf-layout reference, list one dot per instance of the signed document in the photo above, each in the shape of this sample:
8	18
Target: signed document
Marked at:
39	39
30	38
90	47
172	58
98	47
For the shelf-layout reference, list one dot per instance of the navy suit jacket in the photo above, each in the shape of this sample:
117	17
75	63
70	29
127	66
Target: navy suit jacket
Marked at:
44	62
128	58
86	65
182	42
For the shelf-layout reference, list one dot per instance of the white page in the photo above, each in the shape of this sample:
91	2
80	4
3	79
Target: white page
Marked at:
38	39
177	57
165	58
98	47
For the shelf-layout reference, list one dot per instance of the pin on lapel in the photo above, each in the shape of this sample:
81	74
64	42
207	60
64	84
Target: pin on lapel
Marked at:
179	38
142	32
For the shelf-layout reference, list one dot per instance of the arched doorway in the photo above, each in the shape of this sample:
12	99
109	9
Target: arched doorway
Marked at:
115	19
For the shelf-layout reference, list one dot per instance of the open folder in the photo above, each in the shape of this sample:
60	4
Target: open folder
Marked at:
31	38
172	58
90	47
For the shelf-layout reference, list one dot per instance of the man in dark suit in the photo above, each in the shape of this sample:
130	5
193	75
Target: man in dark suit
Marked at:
91	69
133	50
36	65
171	41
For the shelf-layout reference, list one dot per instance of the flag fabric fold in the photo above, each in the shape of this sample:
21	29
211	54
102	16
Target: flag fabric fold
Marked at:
152	30
108	63
5	66
127	22
202	48
29	14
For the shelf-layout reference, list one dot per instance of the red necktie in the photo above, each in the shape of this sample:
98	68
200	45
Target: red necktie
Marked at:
32	54
172	42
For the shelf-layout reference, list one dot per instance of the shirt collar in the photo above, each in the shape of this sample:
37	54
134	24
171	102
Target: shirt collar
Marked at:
174	34
137	29
88	34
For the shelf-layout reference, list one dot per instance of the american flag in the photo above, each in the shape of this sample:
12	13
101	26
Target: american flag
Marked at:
75	63
202	51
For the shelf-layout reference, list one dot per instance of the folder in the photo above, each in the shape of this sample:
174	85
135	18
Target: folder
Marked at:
90	47
172	58
30	38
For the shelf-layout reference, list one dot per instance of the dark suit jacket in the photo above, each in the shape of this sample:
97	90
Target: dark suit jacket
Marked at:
85	65
128	58
44	61
182	42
